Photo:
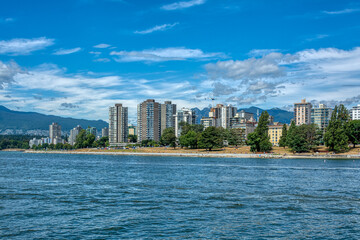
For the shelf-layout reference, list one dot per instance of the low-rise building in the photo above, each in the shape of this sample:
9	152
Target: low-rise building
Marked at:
355	112
132	130
275	132
207	122
248	127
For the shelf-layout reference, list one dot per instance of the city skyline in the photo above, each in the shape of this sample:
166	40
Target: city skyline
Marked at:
86	55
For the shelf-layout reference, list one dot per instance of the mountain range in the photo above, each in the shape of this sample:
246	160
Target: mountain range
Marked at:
16	122
23	122
279	115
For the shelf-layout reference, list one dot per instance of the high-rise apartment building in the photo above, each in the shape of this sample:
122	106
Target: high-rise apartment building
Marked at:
168	112
321	116
54	132
302	112
73	134
355	112
222	115
105	132
91	130
118	125
227	112
149	120
185	115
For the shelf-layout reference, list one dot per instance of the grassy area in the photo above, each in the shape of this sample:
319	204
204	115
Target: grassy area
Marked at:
226	150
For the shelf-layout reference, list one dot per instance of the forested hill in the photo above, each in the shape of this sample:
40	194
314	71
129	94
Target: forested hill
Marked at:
36	121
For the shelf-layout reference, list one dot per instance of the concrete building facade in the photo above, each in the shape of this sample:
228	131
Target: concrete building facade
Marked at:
275	132
118	125
168	113
73	134
185	115
302	113
355	112
149	120
54	132
105	132
321	116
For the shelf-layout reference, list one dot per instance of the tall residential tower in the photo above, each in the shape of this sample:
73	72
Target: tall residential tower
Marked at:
118	125
168	111
302	112
149	120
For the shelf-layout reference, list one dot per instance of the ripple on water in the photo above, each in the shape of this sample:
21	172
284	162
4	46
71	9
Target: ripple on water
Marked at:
134	197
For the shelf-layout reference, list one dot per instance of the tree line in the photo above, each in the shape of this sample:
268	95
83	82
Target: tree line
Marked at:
83	140
195	136
340	132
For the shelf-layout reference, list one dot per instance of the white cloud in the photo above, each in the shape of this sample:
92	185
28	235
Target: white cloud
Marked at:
102	45
102	60
163	54
7	73
261	52
83	95
22	46
252	68
182	4
163	27
95	53
323	74
344	11
66	51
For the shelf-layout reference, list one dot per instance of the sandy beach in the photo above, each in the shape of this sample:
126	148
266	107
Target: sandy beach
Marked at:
241	152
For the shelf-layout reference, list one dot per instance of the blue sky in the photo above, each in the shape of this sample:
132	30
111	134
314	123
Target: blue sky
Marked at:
77	57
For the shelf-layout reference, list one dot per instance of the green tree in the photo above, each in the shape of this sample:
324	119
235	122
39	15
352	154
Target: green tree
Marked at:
259	140
353	131
190	139
84	139
282	141
210	138
168	137
336	136
235	136
303	138
132	138
102	142
289	134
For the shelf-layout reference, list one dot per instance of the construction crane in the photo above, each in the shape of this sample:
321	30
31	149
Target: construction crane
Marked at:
212	99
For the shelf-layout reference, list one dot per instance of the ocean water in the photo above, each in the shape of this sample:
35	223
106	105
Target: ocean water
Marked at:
49	196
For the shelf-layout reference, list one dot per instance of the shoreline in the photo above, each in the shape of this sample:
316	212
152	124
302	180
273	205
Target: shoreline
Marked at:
213	155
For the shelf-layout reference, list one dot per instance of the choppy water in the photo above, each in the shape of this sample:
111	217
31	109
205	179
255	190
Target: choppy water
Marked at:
132	197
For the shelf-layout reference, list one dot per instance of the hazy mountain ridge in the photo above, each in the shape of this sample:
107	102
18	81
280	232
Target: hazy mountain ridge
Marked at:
27	121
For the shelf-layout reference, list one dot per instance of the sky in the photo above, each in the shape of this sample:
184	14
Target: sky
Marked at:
75	58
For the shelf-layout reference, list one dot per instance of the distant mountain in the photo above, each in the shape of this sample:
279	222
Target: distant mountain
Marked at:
279	115
25	121
201	113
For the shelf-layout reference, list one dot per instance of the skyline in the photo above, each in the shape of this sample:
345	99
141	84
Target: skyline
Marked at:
77	58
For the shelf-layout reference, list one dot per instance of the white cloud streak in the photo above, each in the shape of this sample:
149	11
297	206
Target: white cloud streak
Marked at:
182	5
163	54
67	51
22	46
344	11
102	45
157	28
